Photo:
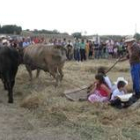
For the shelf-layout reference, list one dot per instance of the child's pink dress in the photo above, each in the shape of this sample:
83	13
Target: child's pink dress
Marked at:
99	95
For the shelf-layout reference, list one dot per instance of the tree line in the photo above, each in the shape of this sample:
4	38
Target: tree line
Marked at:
14	29
10	29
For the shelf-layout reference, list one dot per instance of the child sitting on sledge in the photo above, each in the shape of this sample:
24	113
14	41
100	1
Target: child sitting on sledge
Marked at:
117	100
101	70
100	91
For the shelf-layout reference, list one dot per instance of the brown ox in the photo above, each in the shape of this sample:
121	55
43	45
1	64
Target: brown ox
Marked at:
48	58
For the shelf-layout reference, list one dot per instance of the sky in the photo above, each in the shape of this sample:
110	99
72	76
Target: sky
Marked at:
102	17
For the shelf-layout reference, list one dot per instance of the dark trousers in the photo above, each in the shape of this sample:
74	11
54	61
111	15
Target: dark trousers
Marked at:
83	55
118	104
77	54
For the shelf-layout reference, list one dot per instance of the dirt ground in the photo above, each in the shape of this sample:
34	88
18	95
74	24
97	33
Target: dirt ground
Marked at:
41	111
17	123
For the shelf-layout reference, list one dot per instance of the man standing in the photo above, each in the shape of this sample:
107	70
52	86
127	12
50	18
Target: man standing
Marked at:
77	50
134	59
82	50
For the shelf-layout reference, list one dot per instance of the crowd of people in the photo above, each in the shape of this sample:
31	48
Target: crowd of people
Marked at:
84	49
20	41
78	49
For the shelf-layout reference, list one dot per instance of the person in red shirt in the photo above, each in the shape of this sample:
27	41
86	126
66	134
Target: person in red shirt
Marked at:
100	91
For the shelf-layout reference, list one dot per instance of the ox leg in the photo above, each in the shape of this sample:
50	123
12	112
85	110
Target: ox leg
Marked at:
9	85
29	71
37	73
61	73
10	91
57	80
56	76
4	83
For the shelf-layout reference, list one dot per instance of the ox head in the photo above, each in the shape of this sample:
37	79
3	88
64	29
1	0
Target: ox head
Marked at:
62	50
20	51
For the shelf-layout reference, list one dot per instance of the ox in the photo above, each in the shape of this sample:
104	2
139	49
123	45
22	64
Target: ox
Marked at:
48	58
9	61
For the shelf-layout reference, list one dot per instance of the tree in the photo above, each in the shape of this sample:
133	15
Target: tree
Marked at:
55	31
10	29
137	36
77	35
65	33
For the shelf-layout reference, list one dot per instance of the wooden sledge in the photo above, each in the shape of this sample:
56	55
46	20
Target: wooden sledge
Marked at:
78	94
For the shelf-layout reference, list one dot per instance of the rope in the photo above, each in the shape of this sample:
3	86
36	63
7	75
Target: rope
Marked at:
106	72
113	65
74	85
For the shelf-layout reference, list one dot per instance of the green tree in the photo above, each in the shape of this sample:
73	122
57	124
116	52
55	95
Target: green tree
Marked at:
137	36
10	29
77	35
55	31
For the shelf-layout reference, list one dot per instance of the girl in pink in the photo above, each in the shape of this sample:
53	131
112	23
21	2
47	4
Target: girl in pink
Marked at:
100	91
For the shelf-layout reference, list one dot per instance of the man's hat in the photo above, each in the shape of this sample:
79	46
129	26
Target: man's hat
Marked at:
129	39
4	41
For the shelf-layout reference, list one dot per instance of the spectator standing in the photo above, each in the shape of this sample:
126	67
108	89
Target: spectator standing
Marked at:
25	43
77	50
96	50
70	50
82	50
87	50
110	46
120	48
91	49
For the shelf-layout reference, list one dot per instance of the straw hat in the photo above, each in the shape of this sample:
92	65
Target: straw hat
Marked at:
2	36
120	79
4	41
129	39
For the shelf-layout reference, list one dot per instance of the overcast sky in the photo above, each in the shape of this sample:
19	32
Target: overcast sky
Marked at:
118	17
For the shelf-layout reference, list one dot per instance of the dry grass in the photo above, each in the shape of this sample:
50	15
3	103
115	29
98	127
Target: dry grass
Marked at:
82	120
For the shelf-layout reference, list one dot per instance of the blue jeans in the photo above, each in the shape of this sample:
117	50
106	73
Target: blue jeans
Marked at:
135	73
77	54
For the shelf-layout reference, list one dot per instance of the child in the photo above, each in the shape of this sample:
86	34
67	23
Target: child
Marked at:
101	70
100	91
120	90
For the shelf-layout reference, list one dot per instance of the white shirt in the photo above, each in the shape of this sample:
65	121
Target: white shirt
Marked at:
108	82
25	44
115	93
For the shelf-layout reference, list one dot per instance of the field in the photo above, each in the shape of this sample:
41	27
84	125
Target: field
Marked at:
41	111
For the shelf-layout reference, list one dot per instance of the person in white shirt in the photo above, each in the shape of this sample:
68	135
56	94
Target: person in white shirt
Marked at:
120	90
106	78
